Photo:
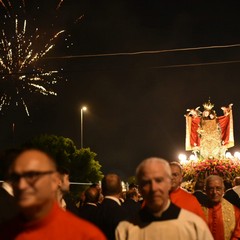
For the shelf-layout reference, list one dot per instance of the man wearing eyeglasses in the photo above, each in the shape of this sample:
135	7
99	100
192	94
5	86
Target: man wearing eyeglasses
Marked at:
34	179
223	218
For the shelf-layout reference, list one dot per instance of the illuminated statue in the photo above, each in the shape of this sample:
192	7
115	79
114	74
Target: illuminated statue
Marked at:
208	135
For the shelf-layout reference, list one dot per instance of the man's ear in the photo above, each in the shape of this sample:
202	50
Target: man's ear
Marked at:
56	181
181	179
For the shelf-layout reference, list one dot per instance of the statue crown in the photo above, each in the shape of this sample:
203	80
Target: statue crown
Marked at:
208	105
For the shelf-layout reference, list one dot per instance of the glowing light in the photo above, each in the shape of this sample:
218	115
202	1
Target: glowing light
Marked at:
182	158
193	157
228	155
237	155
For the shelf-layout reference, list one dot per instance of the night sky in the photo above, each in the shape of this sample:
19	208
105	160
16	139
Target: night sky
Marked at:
136	102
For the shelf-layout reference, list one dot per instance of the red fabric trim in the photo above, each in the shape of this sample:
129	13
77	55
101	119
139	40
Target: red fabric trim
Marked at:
224	122
194	137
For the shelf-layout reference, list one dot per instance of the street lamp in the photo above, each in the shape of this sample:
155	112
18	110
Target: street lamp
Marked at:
82	110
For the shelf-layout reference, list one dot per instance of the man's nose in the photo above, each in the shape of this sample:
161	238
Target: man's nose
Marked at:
154	185
22	183
214	190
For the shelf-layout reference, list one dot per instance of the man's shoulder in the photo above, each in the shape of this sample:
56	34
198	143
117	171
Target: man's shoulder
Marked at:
230	191
110	203
72	219
186	194
184	191
89	206
186	215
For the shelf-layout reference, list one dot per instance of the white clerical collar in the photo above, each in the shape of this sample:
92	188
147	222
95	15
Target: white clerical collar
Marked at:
114	199
7	187
93	204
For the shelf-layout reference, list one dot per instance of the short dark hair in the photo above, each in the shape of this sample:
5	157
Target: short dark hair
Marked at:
131	193
111	184
92	195
63	170
132	185
199	185
96	185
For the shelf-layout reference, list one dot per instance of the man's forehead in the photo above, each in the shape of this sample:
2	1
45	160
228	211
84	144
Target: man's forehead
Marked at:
215	182
157	171
32	159
175	168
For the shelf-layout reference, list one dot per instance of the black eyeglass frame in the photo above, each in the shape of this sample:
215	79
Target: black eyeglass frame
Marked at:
30	176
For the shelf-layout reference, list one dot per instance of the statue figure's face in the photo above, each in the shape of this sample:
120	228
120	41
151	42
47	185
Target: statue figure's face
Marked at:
206	113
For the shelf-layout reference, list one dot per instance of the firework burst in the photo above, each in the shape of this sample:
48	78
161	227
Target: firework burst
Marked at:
22	47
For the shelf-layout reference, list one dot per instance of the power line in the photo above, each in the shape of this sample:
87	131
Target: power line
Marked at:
146	52
197	64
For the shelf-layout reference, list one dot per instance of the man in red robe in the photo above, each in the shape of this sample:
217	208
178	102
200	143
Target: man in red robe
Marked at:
181	197
223	218
35	179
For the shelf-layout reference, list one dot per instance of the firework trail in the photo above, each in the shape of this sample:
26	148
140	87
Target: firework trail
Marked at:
22	46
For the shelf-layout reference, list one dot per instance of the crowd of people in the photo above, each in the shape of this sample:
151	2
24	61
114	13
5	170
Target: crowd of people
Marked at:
35	204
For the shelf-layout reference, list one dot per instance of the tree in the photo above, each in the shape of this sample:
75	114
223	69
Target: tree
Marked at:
132	180
81	163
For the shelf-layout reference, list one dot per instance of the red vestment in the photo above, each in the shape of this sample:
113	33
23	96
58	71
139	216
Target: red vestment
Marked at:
58	224
223	221
186	200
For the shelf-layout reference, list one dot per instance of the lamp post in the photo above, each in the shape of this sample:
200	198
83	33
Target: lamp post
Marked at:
82	110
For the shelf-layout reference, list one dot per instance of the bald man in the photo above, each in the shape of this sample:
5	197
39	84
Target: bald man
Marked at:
35	179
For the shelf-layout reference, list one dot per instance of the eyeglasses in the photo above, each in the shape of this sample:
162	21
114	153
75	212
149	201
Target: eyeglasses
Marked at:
31	177
211	189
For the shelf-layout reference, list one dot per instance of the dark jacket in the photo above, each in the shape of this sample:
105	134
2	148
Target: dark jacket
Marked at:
109	215
8	206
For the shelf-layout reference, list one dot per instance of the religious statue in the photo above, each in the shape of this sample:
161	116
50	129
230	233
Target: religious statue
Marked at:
208	135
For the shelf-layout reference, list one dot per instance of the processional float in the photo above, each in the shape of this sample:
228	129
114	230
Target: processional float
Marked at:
209	137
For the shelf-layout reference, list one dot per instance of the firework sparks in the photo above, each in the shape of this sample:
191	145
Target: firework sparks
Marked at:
21	49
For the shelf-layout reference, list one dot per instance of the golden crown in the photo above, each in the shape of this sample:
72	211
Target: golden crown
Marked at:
208	105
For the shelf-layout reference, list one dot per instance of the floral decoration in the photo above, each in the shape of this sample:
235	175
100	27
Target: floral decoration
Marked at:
228	169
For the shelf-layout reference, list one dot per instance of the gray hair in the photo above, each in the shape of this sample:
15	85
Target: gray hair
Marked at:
177	164
214	177
164	163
